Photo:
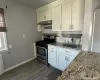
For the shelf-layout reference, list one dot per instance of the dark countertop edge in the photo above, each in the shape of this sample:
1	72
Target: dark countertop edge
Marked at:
61	45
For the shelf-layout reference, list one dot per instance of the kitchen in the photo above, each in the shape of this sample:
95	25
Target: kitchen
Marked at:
67	23
64	38
65	41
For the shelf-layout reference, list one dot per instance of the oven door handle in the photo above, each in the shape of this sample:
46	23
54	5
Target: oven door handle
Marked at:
41	47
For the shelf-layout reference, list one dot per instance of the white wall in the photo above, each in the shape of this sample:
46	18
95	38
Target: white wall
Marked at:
20	20
96	35
96	5
87	25
90	6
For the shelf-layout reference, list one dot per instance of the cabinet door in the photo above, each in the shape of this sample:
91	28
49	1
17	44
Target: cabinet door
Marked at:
52	58
66	16
40	16
56	18
44	15
47	14
77	15
62	61
69	58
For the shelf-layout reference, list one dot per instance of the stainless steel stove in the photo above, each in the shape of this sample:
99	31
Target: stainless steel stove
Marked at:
42	48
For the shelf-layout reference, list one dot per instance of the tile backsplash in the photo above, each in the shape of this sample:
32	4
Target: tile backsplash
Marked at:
64	37
69	37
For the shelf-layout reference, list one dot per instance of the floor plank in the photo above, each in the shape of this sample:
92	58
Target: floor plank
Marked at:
33	70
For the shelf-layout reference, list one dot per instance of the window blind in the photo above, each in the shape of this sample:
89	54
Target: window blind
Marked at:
2	21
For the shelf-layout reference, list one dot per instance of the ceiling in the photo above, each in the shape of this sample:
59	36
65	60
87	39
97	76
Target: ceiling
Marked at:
34	3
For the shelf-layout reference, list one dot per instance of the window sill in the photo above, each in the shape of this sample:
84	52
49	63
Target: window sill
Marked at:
3	50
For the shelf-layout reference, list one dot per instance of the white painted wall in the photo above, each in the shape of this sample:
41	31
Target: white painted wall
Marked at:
96	34
96	4
20	20
90	6
87	25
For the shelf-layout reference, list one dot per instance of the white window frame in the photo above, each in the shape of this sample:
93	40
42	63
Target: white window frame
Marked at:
3	42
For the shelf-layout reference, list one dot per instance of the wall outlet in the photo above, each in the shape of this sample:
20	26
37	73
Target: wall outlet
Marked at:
10	46
24	36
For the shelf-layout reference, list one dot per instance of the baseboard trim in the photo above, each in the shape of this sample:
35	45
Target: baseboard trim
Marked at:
8	69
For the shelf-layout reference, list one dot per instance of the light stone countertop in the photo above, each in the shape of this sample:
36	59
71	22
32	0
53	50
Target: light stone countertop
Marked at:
86	66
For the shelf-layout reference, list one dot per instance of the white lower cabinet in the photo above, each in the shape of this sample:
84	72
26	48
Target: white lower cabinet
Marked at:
52	58
64	60
60	58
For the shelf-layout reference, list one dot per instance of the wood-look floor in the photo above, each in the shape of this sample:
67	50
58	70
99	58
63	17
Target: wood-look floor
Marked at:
33	70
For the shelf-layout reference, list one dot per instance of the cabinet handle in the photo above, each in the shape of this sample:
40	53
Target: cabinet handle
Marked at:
67	51
66	58
69	26
60	27
51	51
45	17
72	27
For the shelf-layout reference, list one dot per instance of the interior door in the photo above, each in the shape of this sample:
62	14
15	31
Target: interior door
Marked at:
66	16
56	18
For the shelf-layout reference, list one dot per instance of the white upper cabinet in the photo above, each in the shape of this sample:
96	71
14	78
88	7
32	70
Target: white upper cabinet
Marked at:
72	15
47	14
56	18
40	16
66	16
44	15
77	15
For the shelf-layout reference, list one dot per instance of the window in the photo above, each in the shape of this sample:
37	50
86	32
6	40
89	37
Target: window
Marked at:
3	44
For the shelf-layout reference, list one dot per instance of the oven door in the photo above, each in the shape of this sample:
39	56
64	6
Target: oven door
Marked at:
41	51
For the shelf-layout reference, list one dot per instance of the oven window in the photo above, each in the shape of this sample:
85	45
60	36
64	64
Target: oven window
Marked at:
41	51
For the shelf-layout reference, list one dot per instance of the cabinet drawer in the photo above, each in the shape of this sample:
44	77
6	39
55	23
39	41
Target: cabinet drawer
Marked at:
69	51
51	48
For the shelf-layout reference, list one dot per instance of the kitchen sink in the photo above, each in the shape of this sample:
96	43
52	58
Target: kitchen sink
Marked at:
71	45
